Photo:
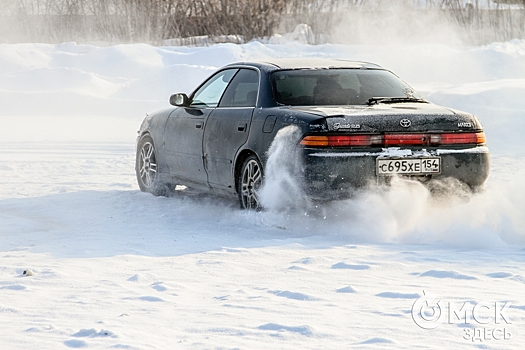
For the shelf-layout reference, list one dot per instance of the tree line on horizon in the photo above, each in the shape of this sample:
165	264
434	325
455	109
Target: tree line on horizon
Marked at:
155	21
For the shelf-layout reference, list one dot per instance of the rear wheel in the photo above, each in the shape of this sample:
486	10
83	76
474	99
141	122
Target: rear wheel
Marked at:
249	183
146	167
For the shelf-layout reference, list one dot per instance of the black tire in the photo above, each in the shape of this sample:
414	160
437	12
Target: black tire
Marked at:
249	181
146	168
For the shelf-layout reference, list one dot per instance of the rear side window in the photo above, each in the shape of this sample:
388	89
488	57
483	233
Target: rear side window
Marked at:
242	91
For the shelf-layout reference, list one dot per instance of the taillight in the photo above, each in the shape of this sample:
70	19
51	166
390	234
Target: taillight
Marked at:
394	140
342	140
461	138
315	141
354	140
405	139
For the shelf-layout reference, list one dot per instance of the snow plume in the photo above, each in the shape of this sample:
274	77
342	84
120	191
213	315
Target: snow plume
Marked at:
489	219
380	213
405	212
393	23
282	186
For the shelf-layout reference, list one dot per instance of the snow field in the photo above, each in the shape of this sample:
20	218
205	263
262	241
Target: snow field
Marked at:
116	268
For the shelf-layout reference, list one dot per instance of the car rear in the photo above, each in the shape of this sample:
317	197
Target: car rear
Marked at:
424	143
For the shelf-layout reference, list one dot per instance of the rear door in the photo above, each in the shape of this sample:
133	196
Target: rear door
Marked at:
227	128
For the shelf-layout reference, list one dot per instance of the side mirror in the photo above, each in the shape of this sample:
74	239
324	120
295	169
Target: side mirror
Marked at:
180	100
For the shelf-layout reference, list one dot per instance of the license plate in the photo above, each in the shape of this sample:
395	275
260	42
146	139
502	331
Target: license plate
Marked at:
408	166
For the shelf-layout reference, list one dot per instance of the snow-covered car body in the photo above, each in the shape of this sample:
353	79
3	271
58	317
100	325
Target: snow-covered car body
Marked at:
359	124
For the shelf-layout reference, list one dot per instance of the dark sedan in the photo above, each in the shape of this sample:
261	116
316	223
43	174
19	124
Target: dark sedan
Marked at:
360	124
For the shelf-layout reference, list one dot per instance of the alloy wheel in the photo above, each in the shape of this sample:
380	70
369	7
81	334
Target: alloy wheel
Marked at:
250	182
147	164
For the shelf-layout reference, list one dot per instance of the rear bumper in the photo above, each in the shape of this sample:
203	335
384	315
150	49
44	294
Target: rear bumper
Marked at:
337	173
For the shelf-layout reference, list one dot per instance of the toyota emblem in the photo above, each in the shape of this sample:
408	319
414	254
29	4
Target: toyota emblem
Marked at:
405	123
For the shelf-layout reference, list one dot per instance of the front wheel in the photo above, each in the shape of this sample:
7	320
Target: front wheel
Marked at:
249	183
146	167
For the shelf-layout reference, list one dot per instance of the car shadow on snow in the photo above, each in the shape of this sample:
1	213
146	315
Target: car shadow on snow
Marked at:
107	223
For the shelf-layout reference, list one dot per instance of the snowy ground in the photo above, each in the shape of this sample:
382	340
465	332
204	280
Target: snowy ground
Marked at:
117	268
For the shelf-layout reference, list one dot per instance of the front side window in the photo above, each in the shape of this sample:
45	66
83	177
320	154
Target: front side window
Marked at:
319	87
211	92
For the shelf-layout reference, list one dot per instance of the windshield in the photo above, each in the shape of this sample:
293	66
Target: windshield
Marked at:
321	87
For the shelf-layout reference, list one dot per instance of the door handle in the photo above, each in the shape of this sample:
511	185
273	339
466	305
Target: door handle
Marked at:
199	125
241	127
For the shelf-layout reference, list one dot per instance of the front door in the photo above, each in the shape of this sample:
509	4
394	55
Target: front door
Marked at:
185	129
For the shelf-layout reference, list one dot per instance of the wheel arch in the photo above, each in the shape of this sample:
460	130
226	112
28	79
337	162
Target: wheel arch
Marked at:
143	134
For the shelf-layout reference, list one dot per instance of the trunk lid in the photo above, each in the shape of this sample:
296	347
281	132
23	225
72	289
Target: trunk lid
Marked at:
399	117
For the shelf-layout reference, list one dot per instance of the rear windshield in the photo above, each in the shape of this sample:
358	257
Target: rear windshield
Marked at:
321	87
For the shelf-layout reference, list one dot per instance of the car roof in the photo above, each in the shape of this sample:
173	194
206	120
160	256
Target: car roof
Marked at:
310	63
